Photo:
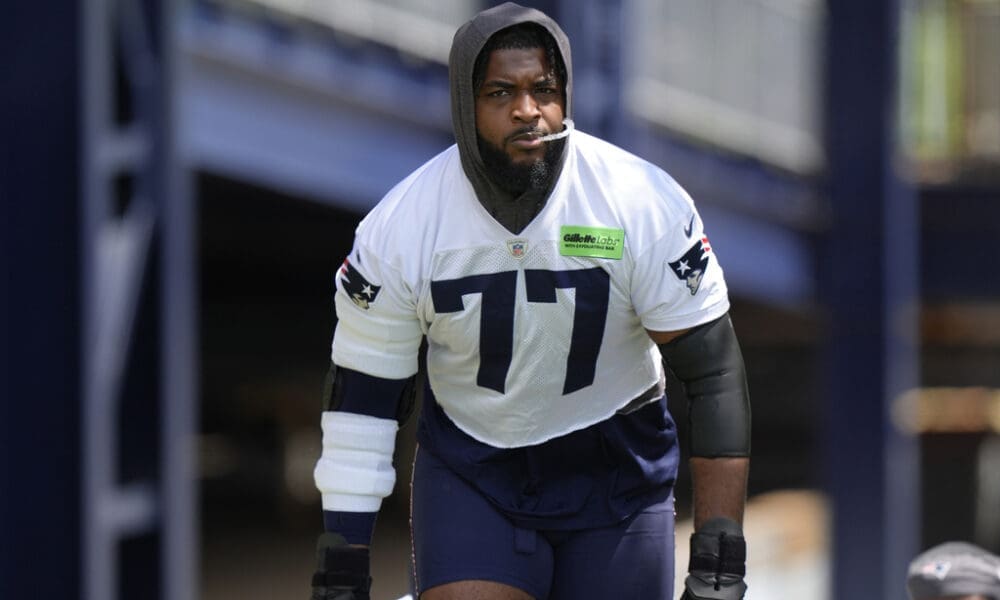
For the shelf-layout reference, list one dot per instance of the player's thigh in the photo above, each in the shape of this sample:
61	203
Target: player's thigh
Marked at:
464	548
632	560
475	590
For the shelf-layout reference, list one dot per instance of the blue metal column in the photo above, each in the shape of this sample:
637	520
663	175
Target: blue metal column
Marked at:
39	302
871	287
178	316
137	347
595	31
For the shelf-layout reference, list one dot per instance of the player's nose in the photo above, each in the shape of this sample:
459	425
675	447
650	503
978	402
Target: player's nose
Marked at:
525	108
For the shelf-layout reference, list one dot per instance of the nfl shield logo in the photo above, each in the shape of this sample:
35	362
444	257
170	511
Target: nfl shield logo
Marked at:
517	248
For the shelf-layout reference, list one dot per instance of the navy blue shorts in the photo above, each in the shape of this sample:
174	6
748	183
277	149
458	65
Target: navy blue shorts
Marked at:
459	535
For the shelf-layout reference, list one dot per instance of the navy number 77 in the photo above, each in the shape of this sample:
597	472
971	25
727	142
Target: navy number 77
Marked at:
496	320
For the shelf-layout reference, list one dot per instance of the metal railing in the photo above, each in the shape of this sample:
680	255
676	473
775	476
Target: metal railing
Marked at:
136	254
743	76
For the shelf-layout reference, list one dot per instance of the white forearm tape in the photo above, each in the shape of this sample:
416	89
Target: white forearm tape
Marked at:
355	470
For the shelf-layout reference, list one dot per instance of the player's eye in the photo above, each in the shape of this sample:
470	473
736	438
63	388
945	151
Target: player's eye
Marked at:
498	93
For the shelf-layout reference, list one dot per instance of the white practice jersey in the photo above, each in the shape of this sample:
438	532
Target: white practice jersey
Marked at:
534	335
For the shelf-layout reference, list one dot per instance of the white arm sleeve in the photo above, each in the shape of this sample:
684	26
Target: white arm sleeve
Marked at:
355	471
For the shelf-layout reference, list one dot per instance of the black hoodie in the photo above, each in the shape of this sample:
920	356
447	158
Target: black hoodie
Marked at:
513	213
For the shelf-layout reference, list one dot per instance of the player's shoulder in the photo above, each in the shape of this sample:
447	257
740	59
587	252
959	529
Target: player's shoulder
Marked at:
600	151
646	201
419	192
634	180
415	203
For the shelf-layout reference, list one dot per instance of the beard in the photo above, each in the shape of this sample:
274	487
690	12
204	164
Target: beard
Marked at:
518	178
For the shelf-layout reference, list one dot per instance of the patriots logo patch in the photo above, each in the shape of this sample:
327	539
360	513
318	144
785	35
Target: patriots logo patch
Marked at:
691	267
938	570
358	289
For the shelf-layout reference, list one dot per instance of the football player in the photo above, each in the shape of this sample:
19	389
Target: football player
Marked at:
553	275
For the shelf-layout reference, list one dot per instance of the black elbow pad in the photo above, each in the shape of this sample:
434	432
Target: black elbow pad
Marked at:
356	392
708	361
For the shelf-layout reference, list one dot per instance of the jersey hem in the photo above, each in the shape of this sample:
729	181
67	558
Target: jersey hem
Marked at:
561	432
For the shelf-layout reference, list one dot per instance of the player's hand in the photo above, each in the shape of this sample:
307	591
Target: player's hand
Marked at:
342	570
718	562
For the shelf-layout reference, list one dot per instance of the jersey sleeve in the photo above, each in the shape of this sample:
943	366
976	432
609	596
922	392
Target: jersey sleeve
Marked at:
678	282
378	332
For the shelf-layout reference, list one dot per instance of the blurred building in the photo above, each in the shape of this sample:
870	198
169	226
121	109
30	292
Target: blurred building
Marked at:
219	153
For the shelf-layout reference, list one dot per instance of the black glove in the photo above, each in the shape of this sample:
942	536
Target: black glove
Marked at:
718	562
342	571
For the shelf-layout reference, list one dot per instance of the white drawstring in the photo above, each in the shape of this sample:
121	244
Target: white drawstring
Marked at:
568	123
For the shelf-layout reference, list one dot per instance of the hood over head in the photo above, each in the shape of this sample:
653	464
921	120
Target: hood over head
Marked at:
468	43
954	569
